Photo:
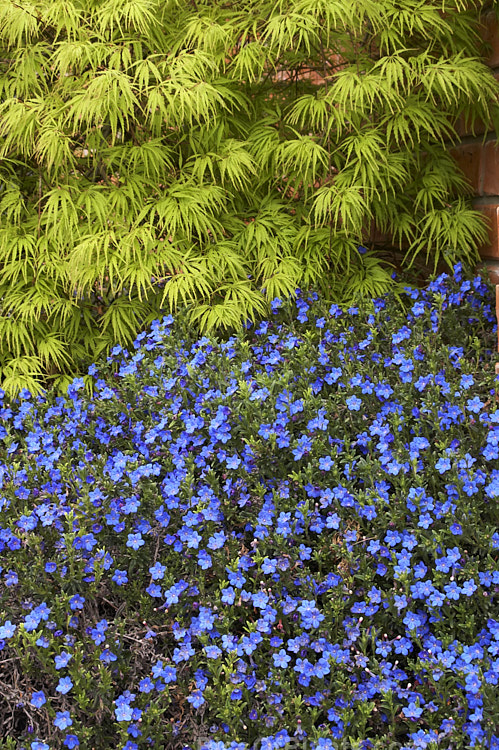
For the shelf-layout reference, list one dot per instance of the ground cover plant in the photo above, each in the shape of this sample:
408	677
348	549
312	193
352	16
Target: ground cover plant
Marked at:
220	154
287	536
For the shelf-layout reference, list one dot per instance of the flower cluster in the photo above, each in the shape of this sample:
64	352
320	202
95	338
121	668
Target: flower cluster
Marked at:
288	534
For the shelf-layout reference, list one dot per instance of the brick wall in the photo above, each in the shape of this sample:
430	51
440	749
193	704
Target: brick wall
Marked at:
478	157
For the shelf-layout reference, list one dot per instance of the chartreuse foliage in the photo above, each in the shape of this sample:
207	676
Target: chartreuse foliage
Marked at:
157	153
284	539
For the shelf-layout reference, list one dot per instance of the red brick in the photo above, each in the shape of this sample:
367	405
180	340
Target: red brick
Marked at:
464	127
490	168
490	35
468	158
315	78
491	248
492	268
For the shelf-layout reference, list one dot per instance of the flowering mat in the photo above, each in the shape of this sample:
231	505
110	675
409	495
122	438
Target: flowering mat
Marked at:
286	538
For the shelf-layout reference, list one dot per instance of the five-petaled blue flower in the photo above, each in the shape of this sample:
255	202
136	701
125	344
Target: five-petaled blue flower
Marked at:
354	403
77	601
135	541
62	720
281	659
412	711
64	685
38	699
62	659
7	630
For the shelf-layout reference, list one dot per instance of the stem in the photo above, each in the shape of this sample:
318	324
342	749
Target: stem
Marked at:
39	200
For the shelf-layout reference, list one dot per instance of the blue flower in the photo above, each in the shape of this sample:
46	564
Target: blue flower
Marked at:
281	659
71	741
146	685
120	577
411	620
31	621
62	720
232	462
7	630
413	711
204	560
321	668
236	578
353	403
402	646
123	712
38	699
131	505
400	601
38	745
400	335
169	674
260	599
466	381
303	446
76	602
217	541
157	571
135	541
326	463
305	552
452	590
196	698
228	595
62	659
473	683
190	536
436	599
183	653
64	685
323	743
474	405
107	656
